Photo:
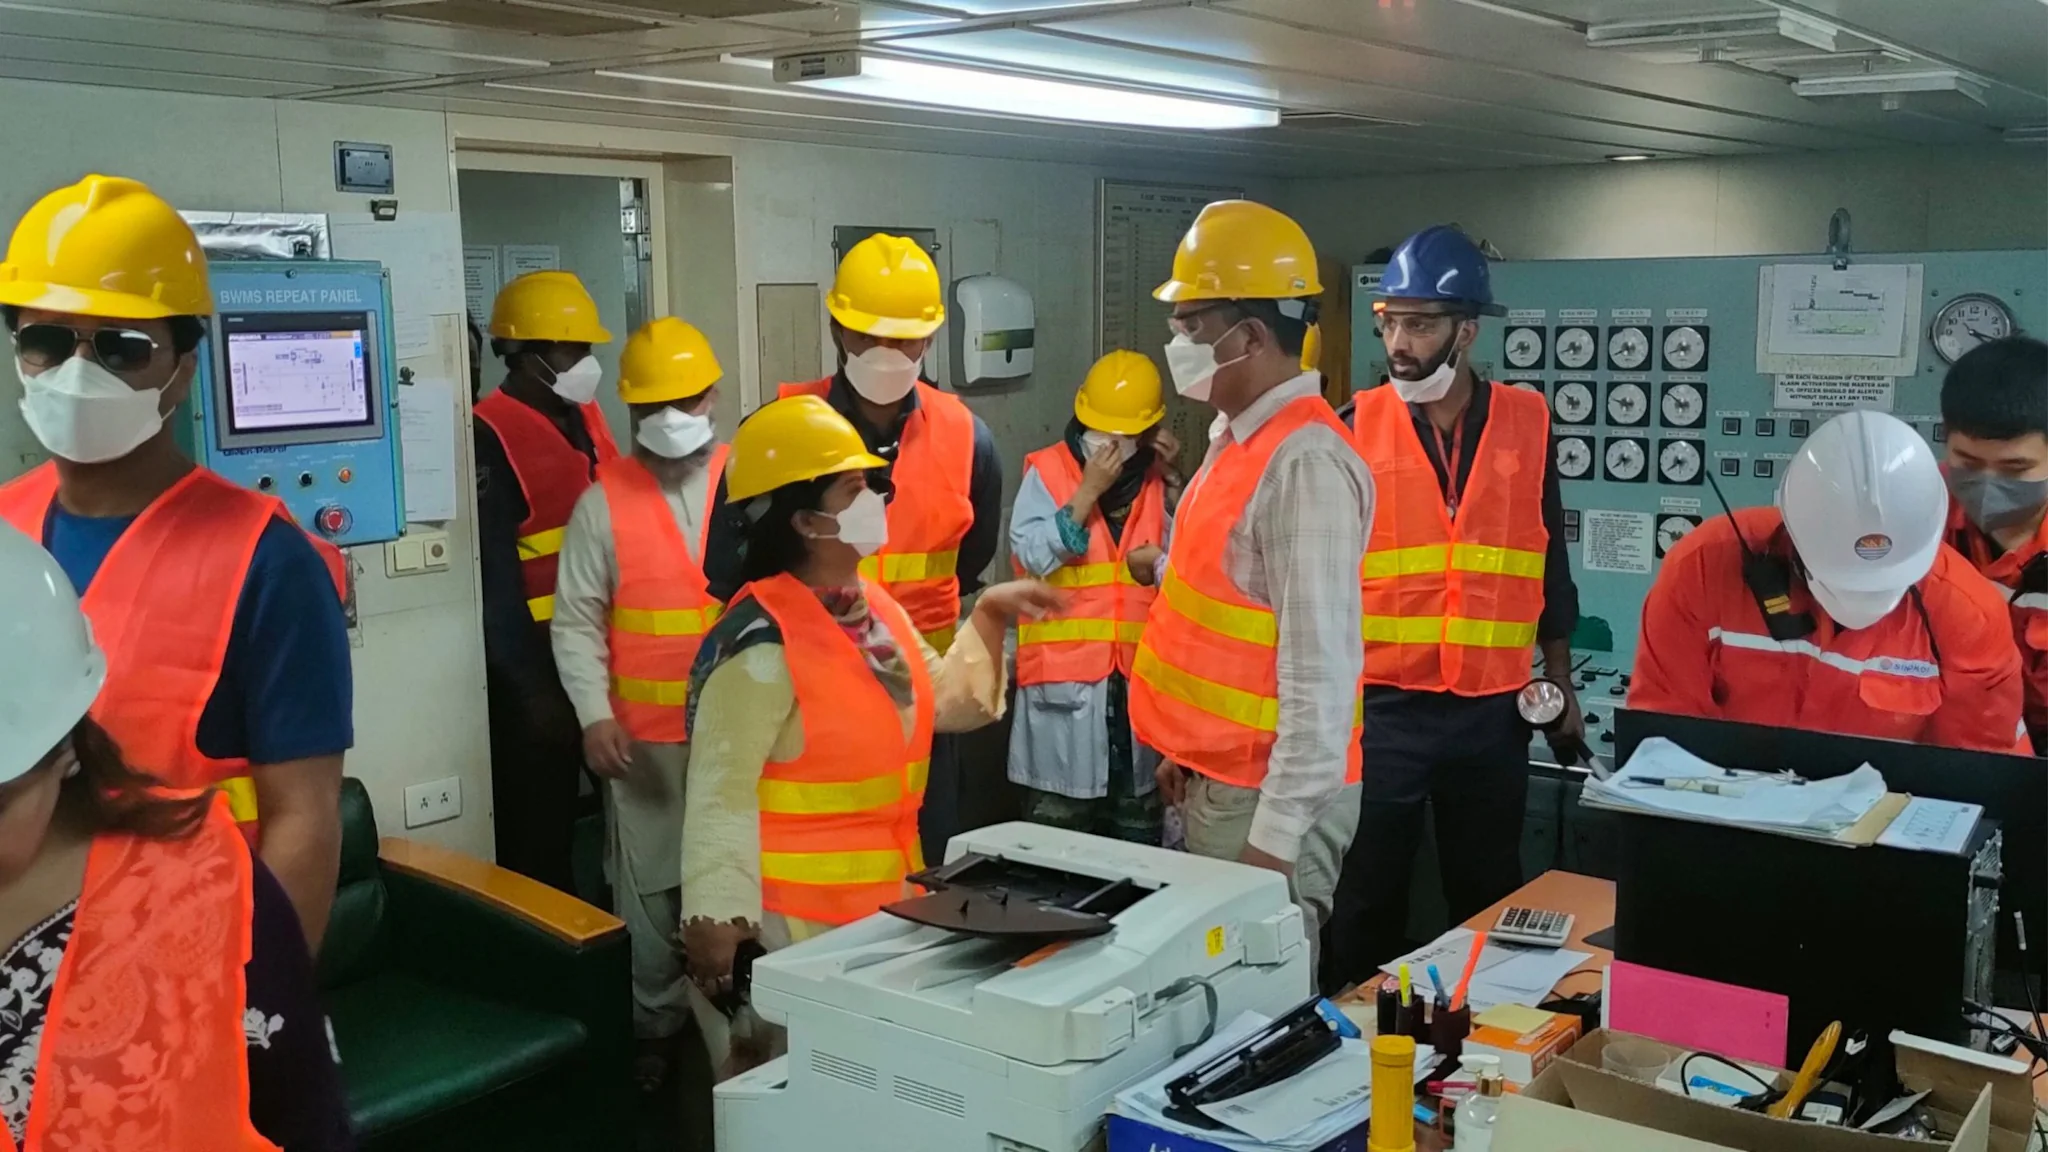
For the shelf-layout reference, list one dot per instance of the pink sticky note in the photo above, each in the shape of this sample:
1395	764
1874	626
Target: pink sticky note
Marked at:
1693	1013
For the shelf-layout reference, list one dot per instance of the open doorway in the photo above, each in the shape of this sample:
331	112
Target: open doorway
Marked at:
597	218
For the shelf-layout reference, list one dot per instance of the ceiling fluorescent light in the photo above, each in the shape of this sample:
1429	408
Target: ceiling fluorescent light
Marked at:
2026	134
1010	94
1628	157
1713	31
1891	84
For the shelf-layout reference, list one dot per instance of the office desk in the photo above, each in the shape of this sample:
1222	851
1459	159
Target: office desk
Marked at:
1591	902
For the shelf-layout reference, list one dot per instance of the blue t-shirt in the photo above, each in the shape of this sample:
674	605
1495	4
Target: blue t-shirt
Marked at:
286	691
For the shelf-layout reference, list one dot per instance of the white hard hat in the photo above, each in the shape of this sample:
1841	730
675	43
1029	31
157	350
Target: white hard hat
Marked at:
52	671
1866	506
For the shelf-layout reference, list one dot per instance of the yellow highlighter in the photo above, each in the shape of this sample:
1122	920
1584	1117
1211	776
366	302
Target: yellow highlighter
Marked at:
1404	986
1817	1058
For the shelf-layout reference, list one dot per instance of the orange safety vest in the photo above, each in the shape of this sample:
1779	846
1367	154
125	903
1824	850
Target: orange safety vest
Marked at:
663	607
552	473
1205	686
1097	632
162	607
1451	604
142	1047
930	513
839	822
2022	574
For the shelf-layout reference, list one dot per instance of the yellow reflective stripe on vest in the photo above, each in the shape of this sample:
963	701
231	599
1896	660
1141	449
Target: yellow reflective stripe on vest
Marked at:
1251	625
664	693
942	639
665	622
834	867
1464	558
898	567
1057	631
837	798
541	544
1457	630
1234	704
1501	561
241	794
1084	576
542	608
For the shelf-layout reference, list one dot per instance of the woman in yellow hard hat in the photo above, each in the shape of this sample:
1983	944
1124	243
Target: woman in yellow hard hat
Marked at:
540	438
631	609
1091	517
813	705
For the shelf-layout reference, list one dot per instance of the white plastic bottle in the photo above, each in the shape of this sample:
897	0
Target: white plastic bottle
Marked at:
1473	1121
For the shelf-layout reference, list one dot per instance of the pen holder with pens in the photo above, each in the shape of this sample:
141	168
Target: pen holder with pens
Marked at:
1448	1028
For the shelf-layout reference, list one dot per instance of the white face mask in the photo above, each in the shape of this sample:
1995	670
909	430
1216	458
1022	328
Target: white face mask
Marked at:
1194	366
1126	446
882	375
863	524
86	414
673	435
1434	386
578	383
1853	610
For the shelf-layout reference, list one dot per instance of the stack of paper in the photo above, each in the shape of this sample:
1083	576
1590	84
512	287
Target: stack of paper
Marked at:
1769	802
1301	1113
1507	973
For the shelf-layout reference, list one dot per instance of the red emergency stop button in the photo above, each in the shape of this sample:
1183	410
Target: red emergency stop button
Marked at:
333	520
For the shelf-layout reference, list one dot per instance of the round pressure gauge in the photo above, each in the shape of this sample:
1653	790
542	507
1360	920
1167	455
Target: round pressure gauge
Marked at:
1625	459
1670	530
1627	348
1684	405
1573	403
1627	403
1678	462
1523	347
1574	457
1541	702
1685	348
1535	386
1575	347
1967	321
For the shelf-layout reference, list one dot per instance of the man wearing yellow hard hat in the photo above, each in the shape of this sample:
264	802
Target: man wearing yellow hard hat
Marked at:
941	476
539	441
1246	677
228	658
1091	517
631	610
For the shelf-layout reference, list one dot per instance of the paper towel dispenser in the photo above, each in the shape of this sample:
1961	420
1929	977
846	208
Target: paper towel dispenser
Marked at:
996	326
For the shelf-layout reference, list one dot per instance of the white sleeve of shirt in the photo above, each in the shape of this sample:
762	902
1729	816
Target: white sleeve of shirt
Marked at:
1312	530
586	578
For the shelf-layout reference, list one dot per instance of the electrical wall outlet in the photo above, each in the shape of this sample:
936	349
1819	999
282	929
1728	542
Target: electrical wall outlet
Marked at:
433	802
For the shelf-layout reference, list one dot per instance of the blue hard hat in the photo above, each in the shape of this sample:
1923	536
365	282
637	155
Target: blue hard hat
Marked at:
1440	263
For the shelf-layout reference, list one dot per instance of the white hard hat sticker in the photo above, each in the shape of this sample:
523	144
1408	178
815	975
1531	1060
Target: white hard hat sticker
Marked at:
1873	546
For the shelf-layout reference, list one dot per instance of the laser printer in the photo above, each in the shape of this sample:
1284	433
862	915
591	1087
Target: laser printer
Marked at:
1045	971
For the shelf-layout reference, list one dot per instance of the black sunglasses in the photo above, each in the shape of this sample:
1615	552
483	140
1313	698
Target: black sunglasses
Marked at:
117	349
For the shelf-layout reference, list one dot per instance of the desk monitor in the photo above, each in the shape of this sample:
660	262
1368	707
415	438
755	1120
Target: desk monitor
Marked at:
2012	789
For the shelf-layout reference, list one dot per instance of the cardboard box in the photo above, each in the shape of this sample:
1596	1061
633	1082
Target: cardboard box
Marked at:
1575	1104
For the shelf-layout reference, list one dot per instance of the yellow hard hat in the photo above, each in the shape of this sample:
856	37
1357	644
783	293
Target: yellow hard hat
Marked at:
1120	395
887	286
106	246
666	360
547	305
797	438
1239	250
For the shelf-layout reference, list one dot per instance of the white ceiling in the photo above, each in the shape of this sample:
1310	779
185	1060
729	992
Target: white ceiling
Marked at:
1386	85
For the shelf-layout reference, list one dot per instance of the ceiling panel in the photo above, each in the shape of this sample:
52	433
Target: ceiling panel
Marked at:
1398	85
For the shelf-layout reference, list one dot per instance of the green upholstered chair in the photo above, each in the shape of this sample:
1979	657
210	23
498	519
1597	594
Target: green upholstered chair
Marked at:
473	1008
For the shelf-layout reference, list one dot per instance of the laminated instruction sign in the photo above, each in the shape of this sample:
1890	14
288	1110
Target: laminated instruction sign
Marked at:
1615	541
1827	392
